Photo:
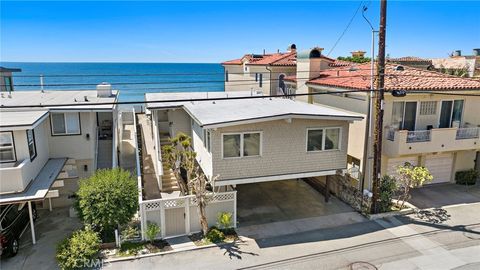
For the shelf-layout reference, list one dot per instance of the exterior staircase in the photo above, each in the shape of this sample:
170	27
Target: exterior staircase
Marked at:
169	181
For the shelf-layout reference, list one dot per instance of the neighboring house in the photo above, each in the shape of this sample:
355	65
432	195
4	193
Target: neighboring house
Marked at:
6	79
412	61
437	130
266	73
470	63
47	148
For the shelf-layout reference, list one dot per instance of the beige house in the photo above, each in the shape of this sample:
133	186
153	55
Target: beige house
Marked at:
435	125
457	61
47	147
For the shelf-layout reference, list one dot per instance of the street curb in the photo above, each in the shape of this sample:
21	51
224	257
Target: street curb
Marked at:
166	252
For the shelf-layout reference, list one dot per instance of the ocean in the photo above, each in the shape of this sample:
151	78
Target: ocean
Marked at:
133	80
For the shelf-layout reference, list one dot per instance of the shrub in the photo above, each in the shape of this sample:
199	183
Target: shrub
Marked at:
79	250
468	177
224	220
108	198
214	235
388	186
130	232
152	231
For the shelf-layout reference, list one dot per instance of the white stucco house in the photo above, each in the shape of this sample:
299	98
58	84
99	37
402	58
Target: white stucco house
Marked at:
61	137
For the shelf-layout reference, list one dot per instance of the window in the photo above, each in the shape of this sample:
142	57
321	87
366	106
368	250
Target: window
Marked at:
8	83
428	108
7	148
256	77
32	148
404	115
65	123
246	144
260	82
226	75
207	141
320	139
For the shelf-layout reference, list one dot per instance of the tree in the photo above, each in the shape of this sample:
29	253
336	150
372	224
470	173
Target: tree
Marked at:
388	186
355	59
411	177
107	199
181	157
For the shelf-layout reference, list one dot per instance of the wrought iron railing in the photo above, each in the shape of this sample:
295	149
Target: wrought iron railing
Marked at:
467	133
419	136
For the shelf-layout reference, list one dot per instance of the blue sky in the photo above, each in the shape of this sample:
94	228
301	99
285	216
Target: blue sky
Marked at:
215	31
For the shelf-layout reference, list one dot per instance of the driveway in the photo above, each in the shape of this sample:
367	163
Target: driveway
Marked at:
440	195
50	228
284	207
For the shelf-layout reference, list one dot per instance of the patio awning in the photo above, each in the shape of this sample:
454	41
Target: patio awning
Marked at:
38	189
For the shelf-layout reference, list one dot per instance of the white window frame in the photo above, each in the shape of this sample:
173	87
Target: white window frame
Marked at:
242	143
34	144
12	139
207	140
324	135
65	122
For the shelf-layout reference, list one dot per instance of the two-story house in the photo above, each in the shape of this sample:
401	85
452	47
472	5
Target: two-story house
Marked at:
435	125
51	139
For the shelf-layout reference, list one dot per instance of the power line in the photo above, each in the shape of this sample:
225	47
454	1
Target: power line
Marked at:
346	28
211	99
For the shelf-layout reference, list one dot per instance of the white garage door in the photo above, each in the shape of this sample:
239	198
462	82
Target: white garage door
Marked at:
393	164
440	166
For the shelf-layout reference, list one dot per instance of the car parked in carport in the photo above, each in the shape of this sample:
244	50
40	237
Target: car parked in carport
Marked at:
14	220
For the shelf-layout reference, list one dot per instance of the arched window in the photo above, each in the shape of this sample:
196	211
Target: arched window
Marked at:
281	84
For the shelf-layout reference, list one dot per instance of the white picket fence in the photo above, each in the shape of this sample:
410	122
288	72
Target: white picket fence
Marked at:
179	216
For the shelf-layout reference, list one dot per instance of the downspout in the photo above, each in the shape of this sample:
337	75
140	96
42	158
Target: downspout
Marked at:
270	80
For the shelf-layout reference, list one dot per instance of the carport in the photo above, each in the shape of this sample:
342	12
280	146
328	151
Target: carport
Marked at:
276	201
38	189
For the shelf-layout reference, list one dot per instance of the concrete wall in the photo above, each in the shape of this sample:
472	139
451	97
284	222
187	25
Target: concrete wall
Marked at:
284	150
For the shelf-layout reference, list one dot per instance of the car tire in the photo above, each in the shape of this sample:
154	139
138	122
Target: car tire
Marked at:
14	247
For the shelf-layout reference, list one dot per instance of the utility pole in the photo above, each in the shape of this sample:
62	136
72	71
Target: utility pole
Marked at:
377	145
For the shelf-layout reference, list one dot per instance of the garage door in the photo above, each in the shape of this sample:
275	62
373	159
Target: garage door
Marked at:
393	164
440	166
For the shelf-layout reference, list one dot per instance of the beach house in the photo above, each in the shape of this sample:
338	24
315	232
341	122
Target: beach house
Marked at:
51	139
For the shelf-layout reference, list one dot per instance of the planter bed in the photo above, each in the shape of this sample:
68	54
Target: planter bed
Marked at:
199	239
136	248
396	211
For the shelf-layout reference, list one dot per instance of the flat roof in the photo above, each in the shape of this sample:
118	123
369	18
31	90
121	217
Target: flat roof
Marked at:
218	113
4	69
38	189
21	119
188	96
59	97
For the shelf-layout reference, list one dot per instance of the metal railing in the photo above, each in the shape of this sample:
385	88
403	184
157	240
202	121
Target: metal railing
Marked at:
419	136
467	133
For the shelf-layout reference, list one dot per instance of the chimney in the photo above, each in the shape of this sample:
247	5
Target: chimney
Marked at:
104	90
359	54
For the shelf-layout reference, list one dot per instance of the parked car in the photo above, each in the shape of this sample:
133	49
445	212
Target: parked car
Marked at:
14	220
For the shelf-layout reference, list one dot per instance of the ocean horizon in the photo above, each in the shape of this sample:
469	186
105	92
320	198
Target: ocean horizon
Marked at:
133	80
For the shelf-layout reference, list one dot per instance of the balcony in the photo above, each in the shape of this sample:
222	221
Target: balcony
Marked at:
16	177
404	142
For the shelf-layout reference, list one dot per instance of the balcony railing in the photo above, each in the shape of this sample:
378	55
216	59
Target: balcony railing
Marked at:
467	133
419	136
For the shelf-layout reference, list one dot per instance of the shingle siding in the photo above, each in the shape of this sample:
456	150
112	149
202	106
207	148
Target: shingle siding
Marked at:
284	150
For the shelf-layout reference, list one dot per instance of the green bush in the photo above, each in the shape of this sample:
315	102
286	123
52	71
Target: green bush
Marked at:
214	235
107	199
466	177
79	251
388	186
152	231
224	220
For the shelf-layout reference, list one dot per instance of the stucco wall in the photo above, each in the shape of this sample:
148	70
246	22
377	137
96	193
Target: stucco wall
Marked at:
180	121
284	150
239	80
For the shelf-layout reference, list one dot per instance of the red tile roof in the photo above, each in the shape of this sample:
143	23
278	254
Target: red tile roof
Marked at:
408	79
341	63
272	59
409	59
290	78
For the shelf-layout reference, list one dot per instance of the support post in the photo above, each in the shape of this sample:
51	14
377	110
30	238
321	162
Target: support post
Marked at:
327	188
235	209
50	204
32	229
187	215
